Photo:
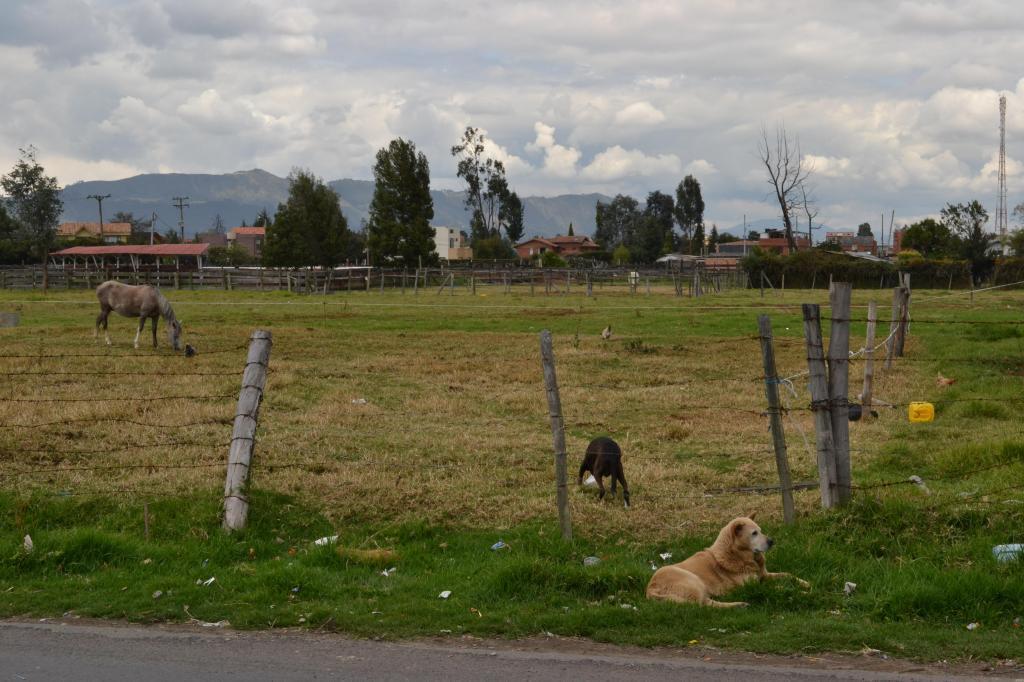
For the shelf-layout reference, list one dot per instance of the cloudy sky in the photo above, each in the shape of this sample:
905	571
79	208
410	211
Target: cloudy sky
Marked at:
895	103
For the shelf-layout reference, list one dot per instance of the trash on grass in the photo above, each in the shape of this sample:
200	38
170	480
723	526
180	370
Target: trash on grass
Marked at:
359	401
973	626
849	588
328	540
158	594
206	583
590	482
27	544
387	572
592	561
919	482
665	556
1004	553
653	567
445	594
500	544
476	611
628	606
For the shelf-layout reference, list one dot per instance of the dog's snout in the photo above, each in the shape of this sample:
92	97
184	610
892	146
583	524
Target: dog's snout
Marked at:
770	542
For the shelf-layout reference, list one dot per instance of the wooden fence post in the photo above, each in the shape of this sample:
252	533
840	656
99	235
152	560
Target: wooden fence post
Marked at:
771	390
243	435
901	335
547	357
382	280
869	361
839	384
818	384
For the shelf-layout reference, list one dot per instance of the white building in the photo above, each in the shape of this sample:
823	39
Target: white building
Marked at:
450	244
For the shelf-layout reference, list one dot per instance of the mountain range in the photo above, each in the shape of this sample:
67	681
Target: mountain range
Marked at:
240	196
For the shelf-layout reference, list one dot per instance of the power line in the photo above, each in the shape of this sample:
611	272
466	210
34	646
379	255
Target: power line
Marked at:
179	202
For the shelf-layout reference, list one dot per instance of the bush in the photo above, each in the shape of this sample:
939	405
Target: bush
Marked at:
229	256
804	268
493	248
550	259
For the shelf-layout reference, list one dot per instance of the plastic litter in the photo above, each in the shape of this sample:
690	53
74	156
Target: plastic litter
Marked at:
206	583
359	401
973	626
919	482
388	572
665	556
653	567
445	594
628	606
1004	553
27	544
158	594
329	540
849	588
590	481
921	412
500	544
592	561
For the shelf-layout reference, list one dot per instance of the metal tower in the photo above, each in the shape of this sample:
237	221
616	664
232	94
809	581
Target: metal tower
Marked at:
1001	210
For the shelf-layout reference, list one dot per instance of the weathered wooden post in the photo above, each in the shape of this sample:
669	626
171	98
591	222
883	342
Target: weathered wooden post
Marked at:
869	361
771	390
901	335
382	280
547	357
818	385
839	384
243	435
590	286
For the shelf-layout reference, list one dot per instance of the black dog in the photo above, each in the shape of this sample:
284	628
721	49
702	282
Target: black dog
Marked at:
604	458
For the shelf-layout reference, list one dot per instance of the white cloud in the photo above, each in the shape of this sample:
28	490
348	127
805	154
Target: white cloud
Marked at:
829	166
559	161
700	167
640	114
616	162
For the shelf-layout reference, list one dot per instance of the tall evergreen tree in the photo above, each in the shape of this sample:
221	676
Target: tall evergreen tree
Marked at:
689	210
33	199
571	233
511	216
713	239
697	243
399	228
308	229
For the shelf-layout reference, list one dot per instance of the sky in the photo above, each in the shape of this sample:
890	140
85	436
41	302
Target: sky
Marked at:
895	104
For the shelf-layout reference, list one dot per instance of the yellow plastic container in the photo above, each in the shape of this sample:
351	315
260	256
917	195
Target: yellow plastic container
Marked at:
921	412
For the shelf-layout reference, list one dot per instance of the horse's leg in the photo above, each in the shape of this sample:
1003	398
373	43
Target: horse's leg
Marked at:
142	323
155	318
106	319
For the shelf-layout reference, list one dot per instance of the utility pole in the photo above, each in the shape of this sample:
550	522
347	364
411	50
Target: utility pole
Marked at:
181	205
99	200
152	226
1001	199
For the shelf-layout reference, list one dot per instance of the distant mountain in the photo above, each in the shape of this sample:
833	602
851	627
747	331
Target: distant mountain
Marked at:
242	195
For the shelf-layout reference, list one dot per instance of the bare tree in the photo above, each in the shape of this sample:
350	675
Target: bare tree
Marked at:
787	174
810	210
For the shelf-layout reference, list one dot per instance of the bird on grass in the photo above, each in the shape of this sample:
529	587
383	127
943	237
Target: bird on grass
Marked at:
607	333
942	381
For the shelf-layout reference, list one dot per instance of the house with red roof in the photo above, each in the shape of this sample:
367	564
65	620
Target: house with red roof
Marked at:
249	238
564	246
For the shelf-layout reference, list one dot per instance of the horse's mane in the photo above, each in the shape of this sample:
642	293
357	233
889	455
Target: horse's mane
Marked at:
165	307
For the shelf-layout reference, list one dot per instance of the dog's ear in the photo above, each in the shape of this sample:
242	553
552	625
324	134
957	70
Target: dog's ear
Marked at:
738	528
752	516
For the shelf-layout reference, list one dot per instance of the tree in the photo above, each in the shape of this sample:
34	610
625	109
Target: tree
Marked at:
262	219
399	228
929	238
229	256
487	191
140	227
621	255
864	230
308	229
697	244
787	174
571	233
810	210
654	236
616	221
713	239
753	235
1017	242
33	200
511	216
967	224
689	209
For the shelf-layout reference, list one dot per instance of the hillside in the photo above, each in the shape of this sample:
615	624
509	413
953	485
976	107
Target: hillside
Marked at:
242	195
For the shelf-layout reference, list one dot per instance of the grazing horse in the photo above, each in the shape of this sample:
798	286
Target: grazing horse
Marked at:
142	302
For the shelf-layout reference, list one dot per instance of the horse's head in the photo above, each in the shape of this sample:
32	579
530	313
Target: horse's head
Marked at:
174	333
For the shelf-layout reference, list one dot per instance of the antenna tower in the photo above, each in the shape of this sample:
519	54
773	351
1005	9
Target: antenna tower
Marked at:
1001	210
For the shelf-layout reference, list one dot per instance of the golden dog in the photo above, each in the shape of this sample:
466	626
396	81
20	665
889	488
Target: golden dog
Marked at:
735	557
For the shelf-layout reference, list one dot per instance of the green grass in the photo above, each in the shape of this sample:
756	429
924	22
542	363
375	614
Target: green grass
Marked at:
455	380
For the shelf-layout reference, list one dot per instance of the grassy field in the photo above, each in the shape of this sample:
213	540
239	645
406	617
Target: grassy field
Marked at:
451	451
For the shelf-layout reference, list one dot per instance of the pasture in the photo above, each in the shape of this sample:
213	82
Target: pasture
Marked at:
419	424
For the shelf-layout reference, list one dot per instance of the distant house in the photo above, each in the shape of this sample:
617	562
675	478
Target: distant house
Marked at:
249	238
849	242
212	238
774	241
450	244
112	233
563	246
